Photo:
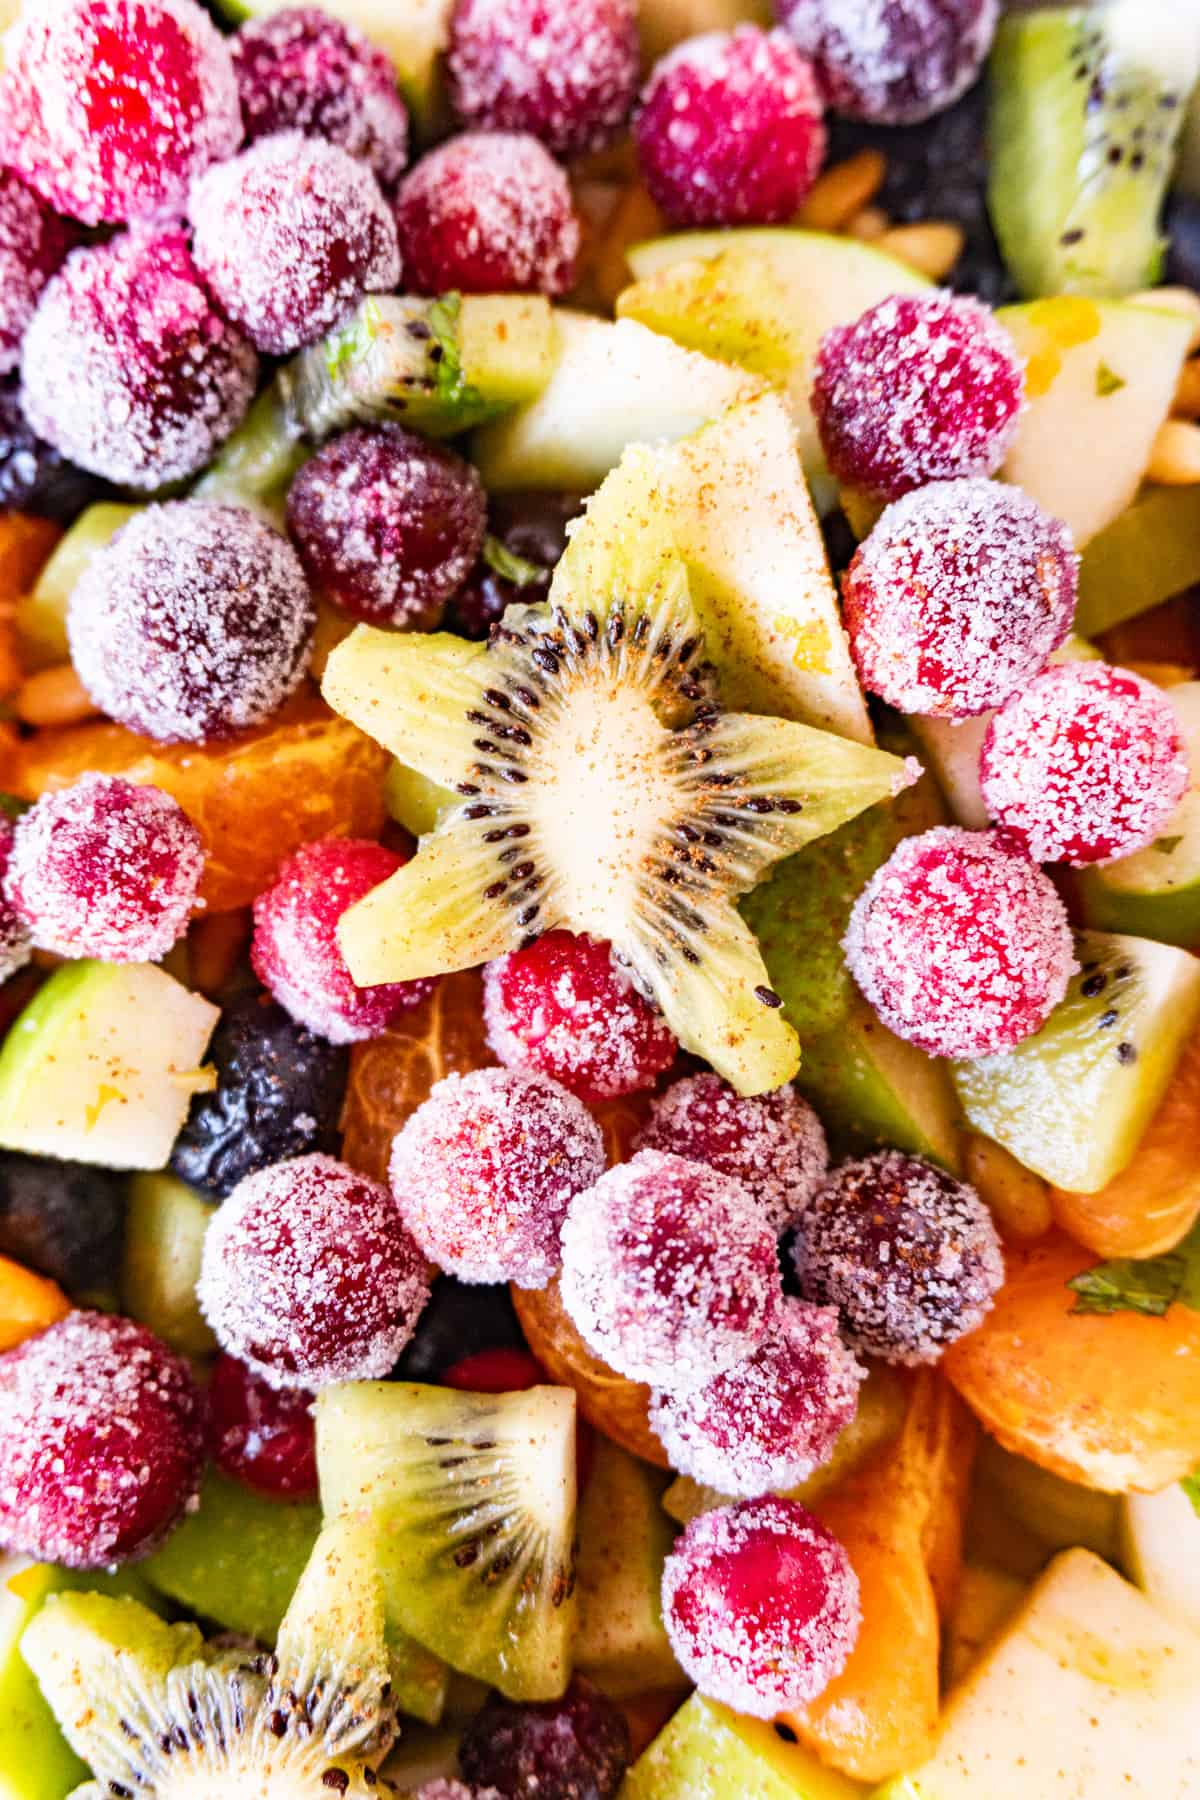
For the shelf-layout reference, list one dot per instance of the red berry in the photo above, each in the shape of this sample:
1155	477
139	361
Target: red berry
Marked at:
563	1008
573	1748
729	131
33	242
761	1605
16	945
960	943
669	1270
194	623
1085	765
262	1435
894	62
310	1277
303	70
295	952
958	596
773	1143
126	367
101	1442
388	524
566	71
485	1169
490	212
920	388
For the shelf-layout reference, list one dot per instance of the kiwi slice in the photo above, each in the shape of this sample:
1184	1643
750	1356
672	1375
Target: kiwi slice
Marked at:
600	787
472	1501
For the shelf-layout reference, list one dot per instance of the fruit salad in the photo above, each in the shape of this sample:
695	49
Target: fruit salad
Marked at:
600	900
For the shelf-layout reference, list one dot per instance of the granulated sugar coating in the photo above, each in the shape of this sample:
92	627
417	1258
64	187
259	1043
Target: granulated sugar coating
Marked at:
761	1605
128	369
388	524
669	1271
773	1143
1085	765
892	61
33	242
289	236
110	107
101	1442
909	1256
105	868
16	945
485	1170
920	388
567	74
563	1007
960	943
771	1420
303	70
195	622
310	1277
958	596
294	951
490	212
730	130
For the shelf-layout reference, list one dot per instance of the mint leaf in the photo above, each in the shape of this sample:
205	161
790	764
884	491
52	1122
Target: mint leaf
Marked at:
1148	1285
1107	380
509	566
1191	1487
345	347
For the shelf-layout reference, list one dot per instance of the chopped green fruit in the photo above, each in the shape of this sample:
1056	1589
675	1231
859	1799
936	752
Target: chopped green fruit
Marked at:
624	1538
36	1762
710	1753
1148	553
413	800
42	614
986	1600
872	1088
1073	1101
1160	1538
165	1223
257	464
1149	1285
102	1064
1056	1512
1187	170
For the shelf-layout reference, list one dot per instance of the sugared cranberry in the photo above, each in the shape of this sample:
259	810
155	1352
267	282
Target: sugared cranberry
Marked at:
960	943
761	1605
768	1422
490	212
309	1275
669	1271
893	62
33	242
563	1008
289	236
908	1255
958	596
576	1748
485	1169
566	71
303	70
1086	764
729	131
101	1442
388	524
262	1435
772	1143
920	388
528	534
110	107
445	1787
295	952
126	367
195	622
16	945
105	868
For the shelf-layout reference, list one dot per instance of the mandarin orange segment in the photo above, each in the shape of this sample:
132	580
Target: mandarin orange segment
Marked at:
1111	1401
28	1303
25	544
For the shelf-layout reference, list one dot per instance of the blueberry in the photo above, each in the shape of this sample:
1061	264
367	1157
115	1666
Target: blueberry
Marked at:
34	477
531	527
458	1321
576	1748
279	1093
64	1219
1183	240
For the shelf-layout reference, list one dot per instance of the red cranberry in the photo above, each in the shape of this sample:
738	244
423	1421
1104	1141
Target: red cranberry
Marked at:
761	1605
195	622
892	61
489	212
126	367
960	943
33	242
110	107
310	1277
909	1256
730	131
576	1748
303	70
923	387
262	1435
958	596
1085	765
101	1442
485	1169
388	524
16	945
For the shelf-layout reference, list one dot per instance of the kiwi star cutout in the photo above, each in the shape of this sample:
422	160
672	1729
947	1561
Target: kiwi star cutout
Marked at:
599	788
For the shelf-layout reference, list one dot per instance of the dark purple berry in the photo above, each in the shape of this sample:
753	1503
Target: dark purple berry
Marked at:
63	1219
576	1748
527	535
34	476
460	1321
894	61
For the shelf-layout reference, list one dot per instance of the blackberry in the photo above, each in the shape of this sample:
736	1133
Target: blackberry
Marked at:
64	1219
278	1094
576	1748
34	477
532	528
459	1321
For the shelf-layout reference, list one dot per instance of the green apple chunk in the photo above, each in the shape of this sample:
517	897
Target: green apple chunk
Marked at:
165	1224
102	1064
1160	1536
707	1752
1149	553
624	1538
42	613
872	1089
